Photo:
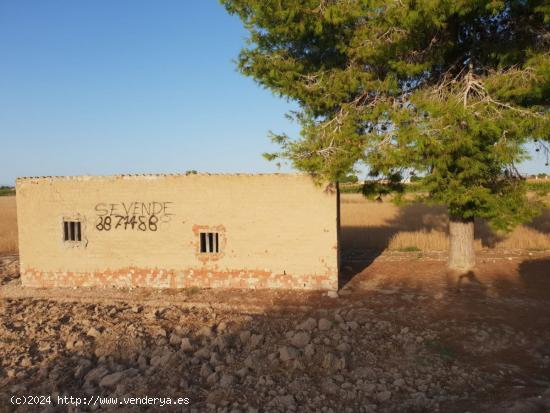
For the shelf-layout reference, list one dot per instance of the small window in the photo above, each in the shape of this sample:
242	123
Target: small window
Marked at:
72	231
209	242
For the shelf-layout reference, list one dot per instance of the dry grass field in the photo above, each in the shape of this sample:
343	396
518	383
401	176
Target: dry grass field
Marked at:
371	225
8	225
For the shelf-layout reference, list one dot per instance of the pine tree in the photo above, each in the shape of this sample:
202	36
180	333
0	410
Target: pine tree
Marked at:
448	90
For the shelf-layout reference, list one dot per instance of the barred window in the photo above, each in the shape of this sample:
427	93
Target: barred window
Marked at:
72	231
209	243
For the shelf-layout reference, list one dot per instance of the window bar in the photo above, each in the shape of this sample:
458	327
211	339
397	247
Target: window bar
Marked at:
65	231
203	242
71	231
208	242
215	249
77	235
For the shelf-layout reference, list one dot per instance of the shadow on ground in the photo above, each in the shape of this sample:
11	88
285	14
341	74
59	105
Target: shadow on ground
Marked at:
361	245
433	344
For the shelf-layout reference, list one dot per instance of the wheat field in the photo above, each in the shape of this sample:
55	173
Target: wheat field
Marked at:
417	227
8	225
371	225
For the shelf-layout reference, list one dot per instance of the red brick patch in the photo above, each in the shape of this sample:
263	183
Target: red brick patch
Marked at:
192	277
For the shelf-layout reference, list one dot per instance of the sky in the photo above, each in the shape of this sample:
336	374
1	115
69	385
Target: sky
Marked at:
131	86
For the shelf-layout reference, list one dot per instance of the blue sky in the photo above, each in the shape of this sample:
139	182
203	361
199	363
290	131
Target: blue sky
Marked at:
107	87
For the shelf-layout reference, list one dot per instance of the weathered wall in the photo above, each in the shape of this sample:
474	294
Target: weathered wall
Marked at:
277	231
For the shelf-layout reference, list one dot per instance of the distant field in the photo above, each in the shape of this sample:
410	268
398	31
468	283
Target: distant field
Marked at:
541	186
375	226
417	227
7	191
382	225
8	224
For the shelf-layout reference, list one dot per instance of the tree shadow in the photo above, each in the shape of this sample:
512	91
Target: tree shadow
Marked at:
541	223
362	244
468	279
535	276
137	339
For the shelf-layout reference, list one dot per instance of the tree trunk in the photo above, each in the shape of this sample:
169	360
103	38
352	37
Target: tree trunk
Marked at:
461	244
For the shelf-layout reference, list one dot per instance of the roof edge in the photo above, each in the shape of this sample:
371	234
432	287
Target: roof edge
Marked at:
159	175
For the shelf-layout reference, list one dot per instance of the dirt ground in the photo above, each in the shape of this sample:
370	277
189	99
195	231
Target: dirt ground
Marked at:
401	337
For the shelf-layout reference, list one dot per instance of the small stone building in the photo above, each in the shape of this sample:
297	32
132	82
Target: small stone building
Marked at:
177	231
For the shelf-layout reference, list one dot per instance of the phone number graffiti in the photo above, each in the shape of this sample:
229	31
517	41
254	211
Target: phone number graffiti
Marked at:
139	216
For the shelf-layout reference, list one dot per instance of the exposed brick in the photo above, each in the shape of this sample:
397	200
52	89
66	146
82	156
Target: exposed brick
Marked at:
154	278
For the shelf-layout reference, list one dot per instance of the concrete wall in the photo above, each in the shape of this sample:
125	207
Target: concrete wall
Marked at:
276	231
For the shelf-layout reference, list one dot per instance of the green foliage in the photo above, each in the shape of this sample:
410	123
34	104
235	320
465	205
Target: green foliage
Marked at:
7	190
451	90
351	188
378	188
352	179
410	248
541	188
